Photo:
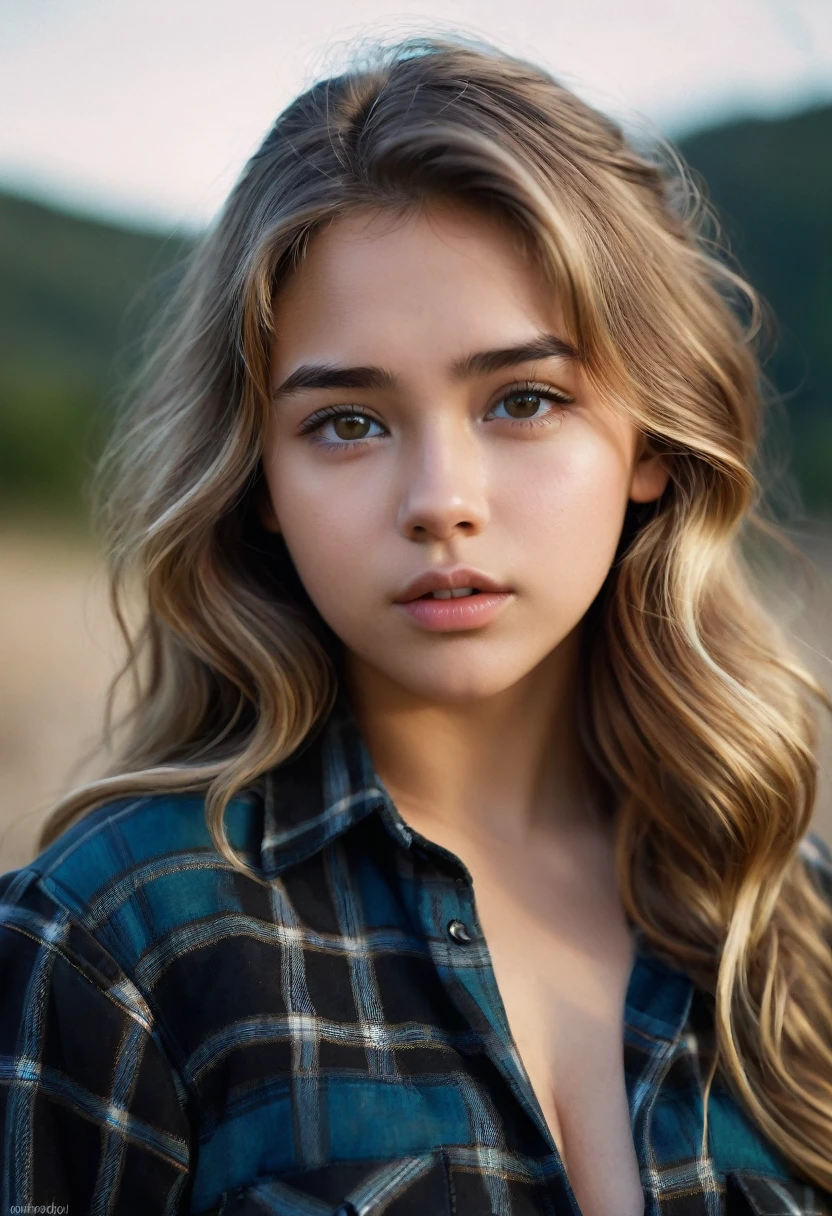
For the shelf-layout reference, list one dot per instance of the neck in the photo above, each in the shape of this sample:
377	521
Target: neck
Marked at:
509	765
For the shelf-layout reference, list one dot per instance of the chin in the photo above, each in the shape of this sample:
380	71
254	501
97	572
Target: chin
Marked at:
451	683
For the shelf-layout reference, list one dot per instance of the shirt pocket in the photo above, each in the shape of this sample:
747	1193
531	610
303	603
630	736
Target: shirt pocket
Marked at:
408	1186
751	1194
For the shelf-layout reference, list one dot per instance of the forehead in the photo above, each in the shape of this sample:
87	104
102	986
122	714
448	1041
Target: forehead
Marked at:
446	269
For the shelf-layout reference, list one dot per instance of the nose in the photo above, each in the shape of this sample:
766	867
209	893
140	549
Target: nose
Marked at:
443	486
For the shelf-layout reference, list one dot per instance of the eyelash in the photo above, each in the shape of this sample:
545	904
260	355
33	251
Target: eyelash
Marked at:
313	424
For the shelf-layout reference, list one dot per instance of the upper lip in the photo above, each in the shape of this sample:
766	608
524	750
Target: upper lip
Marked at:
451	578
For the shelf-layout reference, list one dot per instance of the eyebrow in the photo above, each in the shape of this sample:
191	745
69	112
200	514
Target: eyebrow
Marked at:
480	363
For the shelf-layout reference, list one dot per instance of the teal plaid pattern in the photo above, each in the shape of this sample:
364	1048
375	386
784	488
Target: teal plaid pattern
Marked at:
176	1037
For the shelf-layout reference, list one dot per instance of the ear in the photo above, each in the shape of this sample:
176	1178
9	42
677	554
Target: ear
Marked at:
265	510
650	475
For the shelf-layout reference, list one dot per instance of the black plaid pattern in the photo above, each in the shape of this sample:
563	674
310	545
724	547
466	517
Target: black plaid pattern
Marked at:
175	1037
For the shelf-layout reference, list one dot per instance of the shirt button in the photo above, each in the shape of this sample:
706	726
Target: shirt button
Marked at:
458	931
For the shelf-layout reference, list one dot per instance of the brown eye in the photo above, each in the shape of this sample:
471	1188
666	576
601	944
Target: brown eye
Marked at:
351	426
522	404
339	427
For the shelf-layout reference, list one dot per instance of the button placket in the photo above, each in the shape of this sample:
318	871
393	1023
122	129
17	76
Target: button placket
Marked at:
509	1064
474	989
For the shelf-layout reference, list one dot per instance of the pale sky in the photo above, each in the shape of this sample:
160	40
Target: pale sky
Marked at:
148	109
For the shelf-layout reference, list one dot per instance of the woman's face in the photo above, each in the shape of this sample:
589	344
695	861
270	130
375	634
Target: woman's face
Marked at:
404	449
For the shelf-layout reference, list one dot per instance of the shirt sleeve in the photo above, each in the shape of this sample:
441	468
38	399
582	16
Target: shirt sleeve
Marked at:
93	1115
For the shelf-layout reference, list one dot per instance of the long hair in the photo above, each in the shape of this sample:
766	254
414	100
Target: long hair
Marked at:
691	707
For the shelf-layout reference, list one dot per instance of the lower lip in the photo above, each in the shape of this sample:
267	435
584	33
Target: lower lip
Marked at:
464	612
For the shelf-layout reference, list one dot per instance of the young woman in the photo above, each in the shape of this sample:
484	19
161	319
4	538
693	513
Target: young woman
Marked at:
456	860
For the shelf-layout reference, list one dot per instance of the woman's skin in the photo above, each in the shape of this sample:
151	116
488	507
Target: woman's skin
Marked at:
473	732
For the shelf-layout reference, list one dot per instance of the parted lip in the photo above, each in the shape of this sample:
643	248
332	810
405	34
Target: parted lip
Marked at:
450	578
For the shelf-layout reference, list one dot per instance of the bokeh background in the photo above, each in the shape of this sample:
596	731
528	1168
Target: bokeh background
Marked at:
125	124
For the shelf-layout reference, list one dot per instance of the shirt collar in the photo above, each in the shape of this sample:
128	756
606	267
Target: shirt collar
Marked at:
659	995
329	784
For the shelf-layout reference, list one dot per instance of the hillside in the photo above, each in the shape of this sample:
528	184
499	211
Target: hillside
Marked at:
772	184
74	294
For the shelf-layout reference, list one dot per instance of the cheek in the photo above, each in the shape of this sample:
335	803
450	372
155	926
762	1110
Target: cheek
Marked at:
565	517
328	530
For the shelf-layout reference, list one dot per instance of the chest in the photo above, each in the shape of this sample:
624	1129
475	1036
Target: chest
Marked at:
340	1044
562	957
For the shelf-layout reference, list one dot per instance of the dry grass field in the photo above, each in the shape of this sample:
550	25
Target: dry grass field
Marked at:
59	647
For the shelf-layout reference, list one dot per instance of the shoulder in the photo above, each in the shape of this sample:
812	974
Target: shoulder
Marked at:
132	870
86	1057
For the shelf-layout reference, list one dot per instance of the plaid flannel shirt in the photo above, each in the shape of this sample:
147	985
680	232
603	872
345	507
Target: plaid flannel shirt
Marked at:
175	1037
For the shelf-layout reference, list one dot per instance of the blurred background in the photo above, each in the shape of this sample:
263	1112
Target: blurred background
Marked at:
127	123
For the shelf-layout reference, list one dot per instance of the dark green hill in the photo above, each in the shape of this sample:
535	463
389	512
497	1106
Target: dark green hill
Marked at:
74	295
771	182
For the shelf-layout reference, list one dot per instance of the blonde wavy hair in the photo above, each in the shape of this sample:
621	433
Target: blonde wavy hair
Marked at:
692	708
